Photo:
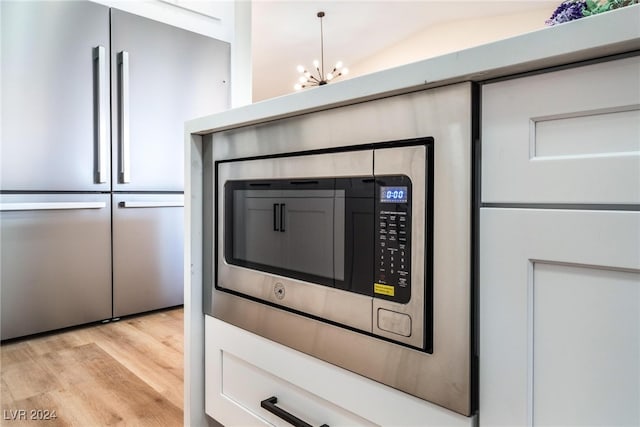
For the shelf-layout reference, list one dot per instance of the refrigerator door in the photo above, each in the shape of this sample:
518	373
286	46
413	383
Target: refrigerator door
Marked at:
55	96
55	261
162	76
148	237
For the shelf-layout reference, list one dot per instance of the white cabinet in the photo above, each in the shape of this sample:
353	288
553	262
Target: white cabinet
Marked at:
560	248
559	317
570	136
242	369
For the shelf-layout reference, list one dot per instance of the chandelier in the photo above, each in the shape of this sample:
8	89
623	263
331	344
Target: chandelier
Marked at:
318	77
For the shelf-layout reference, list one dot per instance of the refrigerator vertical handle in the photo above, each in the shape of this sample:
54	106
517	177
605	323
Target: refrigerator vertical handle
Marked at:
102	95
123	119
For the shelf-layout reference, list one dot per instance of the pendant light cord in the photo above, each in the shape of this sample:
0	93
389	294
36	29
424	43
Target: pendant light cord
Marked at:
321	15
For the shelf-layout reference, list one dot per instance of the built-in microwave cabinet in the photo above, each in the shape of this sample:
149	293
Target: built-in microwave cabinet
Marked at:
400	360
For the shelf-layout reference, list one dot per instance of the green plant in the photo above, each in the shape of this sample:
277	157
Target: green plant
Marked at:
593	7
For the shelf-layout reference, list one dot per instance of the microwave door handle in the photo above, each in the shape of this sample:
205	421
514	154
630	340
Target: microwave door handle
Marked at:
275	217
282	210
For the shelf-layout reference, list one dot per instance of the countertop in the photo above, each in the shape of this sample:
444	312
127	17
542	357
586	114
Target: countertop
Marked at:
606	34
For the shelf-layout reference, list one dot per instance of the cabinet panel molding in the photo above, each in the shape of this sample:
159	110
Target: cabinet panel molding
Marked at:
586	345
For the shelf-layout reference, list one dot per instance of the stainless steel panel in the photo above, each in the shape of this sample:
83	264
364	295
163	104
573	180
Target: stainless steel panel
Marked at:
443	377
410	161
174	75
50	86
55	262
147	252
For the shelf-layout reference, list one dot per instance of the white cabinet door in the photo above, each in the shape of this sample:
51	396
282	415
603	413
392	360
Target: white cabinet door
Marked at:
570	136
559	317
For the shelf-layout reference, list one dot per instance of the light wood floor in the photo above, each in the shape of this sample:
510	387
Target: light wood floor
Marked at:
124	373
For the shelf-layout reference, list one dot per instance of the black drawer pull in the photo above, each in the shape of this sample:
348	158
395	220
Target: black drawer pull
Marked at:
270	405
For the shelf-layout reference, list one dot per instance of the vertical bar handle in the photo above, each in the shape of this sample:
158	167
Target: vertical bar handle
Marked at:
275	217
282	210
102	101
124	147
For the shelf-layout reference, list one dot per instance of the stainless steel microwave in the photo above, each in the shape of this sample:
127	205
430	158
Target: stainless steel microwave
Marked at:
346	233
339	236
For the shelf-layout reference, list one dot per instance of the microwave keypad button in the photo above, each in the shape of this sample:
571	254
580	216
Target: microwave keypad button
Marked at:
394	322
392	238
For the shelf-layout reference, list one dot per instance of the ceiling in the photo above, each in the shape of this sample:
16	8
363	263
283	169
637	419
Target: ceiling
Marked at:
287	33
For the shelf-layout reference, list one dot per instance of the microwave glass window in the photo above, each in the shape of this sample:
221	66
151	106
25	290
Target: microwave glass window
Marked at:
315	230
347	233
288	230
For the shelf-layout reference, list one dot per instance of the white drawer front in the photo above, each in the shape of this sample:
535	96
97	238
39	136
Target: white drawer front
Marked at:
247	385
570	136
242	369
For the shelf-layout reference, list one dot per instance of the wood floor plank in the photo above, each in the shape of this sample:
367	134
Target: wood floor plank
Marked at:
146	358
29	378
123	373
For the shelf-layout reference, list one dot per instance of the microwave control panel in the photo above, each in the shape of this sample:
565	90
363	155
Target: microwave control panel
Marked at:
392	280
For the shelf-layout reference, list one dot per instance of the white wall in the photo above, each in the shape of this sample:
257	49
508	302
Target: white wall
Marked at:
214	19
241	62
450	37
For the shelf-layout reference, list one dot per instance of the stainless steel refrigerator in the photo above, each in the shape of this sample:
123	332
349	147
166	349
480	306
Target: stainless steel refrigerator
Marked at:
91	175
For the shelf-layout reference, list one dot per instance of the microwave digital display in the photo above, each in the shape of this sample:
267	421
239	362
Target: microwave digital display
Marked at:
394	195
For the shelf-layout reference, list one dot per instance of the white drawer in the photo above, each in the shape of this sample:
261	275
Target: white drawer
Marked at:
248	385
242	369
569	136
